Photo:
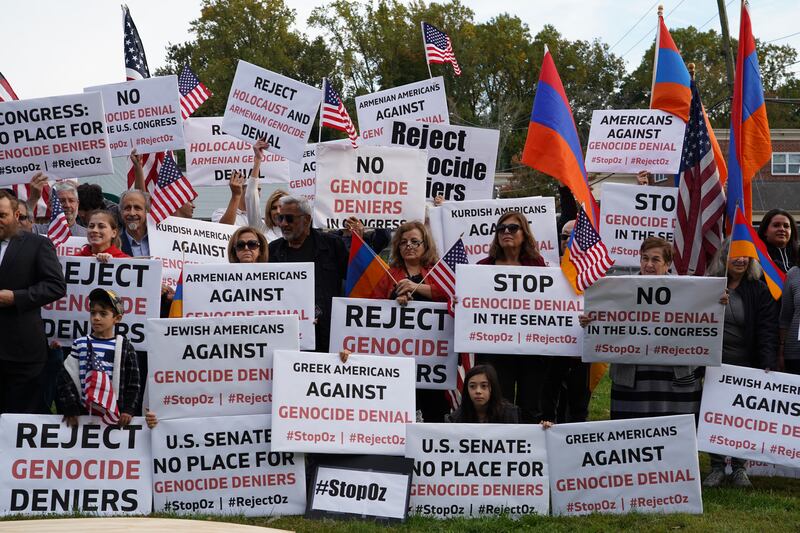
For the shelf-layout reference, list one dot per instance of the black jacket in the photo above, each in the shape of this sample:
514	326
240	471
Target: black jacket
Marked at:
761	323
784	258
31	269
510	415
330	270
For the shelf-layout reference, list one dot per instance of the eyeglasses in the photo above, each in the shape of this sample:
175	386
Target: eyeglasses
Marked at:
508	228
413	243
250	245
289	219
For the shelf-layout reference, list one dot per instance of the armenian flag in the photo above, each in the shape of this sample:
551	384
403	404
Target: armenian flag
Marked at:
671	91
365	270
176	307
746	243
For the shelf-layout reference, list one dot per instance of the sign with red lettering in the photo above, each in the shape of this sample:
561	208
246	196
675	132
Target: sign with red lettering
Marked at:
142	114
224	465
631	213
212	156
477	220
266	105
655	320
422	330
322	405
137	282
303	175
47	467
516	310
630	140
71	246
62	136
219	366
641	465
383	187
478	470
751	414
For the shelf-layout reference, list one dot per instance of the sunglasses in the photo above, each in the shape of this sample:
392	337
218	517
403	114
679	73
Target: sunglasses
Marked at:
250	245
508	228
289	219
565	236
23	218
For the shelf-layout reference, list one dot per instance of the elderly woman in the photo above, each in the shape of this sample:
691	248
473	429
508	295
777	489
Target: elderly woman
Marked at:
750	337
514	245
778	230
102	233
248	245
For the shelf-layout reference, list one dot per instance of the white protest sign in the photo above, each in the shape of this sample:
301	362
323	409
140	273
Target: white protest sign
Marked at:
303	175
478	470
751	414
477	220
267	105
757	468
461	160
224	465
137	282
222	366
422	330
64	136
642	465
322	405
176	241
383	187
631	213
360	492
252	289
71	246
47	467
142	114
424	101
655	320
630	140
212	156
516	310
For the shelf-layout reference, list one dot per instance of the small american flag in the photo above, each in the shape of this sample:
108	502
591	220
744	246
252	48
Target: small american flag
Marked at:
586	253
6	92
135	60
438	47
335	115
443	273
97	389
58	231
172	190
193	92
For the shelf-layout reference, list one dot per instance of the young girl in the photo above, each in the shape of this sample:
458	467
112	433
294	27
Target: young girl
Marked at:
102	232
482	400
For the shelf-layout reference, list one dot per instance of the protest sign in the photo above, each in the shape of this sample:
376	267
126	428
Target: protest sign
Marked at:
142	114
222	366
303	175
478	470
424	101
71	246
252	289
759	469
642	465
751	414
212	156
62	135
177	241
477	220
137	282
224	465
630	140
362	493
655	320
266	105
382	187
322	405
516	310
47	467
422	330
630	214
461	160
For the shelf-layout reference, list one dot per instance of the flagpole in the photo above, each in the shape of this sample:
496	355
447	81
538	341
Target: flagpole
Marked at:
433	267
321	105
655	59
425	48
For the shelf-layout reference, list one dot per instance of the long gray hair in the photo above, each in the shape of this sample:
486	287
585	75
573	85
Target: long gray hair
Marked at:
719	264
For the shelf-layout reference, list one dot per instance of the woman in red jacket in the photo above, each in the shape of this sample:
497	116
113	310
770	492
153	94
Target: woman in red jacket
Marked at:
102	232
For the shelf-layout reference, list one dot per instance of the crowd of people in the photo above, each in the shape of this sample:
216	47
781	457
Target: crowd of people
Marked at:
498	389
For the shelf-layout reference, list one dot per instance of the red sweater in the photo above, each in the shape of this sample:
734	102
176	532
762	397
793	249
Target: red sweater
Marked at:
86	251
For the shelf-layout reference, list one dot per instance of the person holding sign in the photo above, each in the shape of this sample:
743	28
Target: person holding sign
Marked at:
248	245
103	237
778	230
482	400
750	337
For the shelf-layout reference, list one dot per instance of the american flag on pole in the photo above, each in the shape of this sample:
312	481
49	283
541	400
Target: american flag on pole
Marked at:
586	258
438	47
335	115
193	92
701	202
443	273
6	92
171	191
97	390
58	231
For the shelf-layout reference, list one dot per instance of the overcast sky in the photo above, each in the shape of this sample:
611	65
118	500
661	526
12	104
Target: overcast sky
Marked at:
54	47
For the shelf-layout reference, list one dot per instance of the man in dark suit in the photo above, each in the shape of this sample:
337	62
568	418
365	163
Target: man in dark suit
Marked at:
30	277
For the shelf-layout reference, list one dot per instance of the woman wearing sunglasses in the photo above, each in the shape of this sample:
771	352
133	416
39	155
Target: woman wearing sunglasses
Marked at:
247	245
521	376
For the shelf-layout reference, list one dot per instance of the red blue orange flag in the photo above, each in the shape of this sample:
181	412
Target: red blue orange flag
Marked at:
552	145
750	145
176	307
365	270
671	91
746	243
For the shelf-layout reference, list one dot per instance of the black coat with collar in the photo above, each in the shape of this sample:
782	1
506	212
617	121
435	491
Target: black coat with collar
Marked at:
30	269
